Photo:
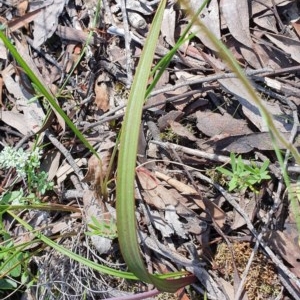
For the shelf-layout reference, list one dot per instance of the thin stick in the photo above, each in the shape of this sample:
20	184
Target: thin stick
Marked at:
127	38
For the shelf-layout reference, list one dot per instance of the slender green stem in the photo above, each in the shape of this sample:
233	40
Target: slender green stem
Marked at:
71	254
44	91
126	222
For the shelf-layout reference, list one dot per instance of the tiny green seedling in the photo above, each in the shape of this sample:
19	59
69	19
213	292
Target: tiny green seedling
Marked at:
102	228
243	176
13	265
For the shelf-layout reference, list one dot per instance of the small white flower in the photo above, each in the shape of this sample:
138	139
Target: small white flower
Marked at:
26	165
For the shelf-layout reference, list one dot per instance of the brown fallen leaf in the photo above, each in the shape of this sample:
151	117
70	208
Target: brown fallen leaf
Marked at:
258	7
250	109
173	204
46	21
246	143
164	120
296	26
23	51
154	193
228	288
159	101
169	24
97	169
101	91
282	244
182	131
24	20
212	124
288	45
50	163
249	206
252	57
17	121
265	19
65	169
236	14
73	34
211	18
214	211
180	186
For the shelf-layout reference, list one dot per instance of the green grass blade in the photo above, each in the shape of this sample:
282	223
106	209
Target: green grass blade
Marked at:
72	255
164	62
126	222
44	91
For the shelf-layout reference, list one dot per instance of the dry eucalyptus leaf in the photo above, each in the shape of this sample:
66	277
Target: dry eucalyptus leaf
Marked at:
258	7
250	109
236	14
159	100
13	87
162	225
172	219
173	115
16	120
33	114
257	56
97	169
246	143
154	193
227	287
66	169
46	22
288	45
251	56
168	24
212	124
182	131
211	19
180	186
23	51
215	212
184	203
101	91
23	21
265	20
249	207
281	244
50	163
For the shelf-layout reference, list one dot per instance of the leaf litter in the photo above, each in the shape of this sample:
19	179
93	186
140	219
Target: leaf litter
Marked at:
185	216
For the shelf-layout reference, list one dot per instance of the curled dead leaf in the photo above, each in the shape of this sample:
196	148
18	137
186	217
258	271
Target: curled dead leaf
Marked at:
97	169
212	124
101	91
